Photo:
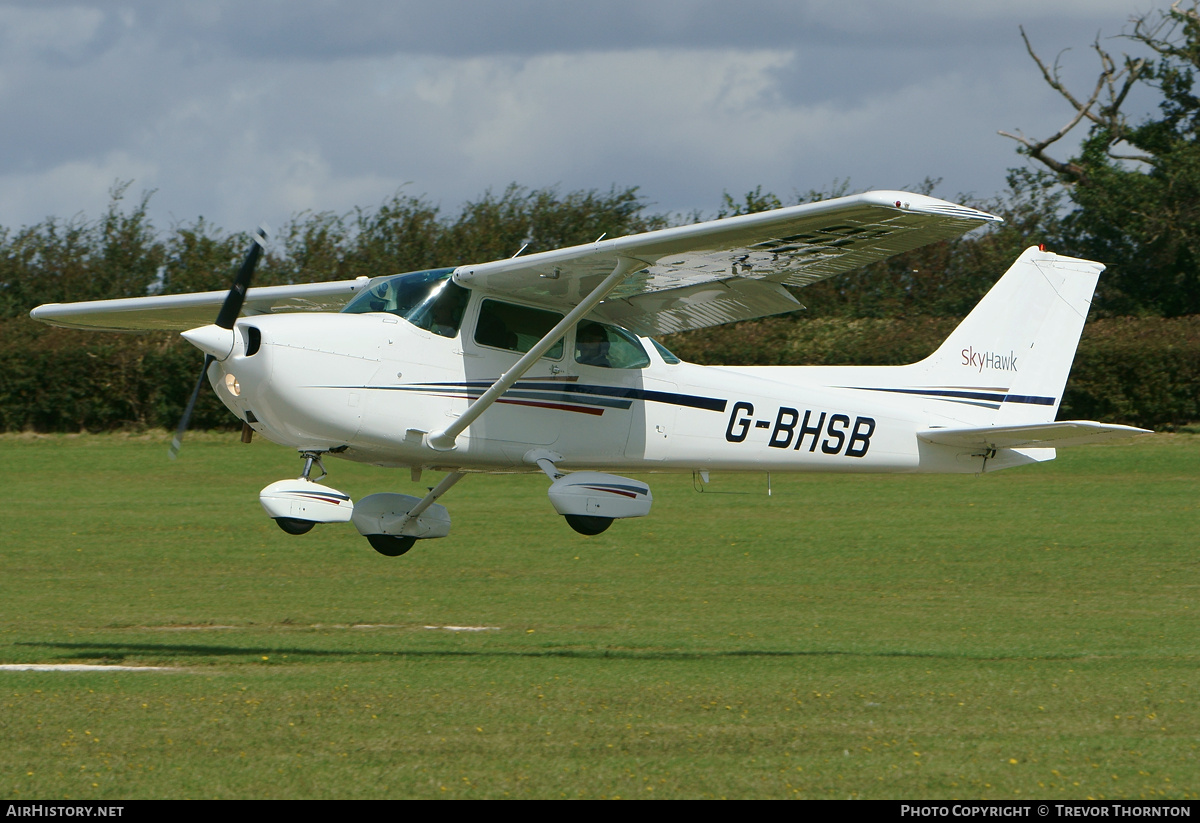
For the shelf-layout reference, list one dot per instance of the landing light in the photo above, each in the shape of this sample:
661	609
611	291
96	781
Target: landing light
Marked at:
232	384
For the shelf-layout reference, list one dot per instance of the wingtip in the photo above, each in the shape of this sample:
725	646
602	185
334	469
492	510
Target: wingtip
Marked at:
924	203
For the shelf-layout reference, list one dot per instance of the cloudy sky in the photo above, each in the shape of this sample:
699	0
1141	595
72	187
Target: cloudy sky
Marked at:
252	111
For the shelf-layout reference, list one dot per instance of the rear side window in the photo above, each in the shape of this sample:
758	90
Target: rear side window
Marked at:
598	344
515	328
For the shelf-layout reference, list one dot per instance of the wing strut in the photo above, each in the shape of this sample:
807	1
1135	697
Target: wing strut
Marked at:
444	440
427	501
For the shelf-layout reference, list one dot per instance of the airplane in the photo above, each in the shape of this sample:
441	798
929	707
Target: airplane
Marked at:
547	362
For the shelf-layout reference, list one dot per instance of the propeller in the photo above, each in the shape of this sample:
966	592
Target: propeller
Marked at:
228	315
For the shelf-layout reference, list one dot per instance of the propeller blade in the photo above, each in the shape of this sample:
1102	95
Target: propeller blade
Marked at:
228	315
177	440
237	293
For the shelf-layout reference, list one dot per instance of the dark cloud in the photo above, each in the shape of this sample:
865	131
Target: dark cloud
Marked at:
324	30
245	111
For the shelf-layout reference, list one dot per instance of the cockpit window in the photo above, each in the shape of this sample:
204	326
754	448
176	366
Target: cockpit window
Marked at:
598	344
401	294
515	328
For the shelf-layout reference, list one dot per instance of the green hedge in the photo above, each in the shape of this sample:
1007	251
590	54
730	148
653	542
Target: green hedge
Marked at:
1144	372
57	380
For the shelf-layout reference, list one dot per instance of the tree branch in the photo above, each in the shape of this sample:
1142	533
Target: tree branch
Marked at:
1117	82
1053	80
1036	150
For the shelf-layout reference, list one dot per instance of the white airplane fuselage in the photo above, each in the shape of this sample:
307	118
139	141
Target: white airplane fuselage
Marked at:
368	387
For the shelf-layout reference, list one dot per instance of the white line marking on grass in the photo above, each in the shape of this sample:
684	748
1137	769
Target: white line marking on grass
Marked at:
408	626
80	667
188	628
372	626
402	626
354	626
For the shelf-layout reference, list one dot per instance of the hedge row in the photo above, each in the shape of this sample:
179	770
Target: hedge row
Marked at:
57	380
1143	372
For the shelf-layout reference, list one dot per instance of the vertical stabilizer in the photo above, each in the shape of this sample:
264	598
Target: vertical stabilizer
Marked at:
1016	347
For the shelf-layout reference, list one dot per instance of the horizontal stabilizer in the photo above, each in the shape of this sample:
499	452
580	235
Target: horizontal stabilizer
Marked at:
1041	435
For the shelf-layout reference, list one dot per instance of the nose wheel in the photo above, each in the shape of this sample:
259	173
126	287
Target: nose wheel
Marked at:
587	524
293	525
298	505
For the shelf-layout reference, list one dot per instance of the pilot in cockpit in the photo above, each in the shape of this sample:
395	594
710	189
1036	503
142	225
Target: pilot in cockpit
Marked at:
591	345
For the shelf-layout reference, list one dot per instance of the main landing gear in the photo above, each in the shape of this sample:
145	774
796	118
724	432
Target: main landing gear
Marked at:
392	523
591	501
390	545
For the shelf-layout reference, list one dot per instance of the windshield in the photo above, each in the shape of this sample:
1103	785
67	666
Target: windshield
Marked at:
398	295
428	299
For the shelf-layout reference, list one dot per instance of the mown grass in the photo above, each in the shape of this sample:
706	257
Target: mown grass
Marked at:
1031	633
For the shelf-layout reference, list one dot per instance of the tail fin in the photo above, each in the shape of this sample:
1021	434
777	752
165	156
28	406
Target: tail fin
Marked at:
1014	350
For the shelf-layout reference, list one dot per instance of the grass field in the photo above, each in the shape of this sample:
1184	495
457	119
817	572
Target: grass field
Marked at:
1031	633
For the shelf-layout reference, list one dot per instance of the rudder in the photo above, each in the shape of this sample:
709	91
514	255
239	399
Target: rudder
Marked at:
1017	345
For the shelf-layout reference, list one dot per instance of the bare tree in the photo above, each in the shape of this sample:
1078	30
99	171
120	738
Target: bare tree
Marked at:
1170	34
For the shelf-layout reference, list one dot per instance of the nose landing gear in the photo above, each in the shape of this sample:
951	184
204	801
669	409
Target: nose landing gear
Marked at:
292	525
298	505
588	525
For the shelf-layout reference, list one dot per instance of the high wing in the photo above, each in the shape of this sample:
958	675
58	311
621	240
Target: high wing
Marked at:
681	278
717	272
179	312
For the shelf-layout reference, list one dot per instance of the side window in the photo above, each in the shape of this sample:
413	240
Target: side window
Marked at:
665	353
608	347
442	311
515	328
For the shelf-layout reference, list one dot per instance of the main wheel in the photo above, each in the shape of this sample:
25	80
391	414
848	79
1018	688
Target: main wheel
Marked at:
293	526
588	524
390	545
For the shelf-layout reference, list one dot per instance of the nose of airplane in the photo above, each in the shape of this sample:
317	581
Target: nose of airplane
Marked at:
212	340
